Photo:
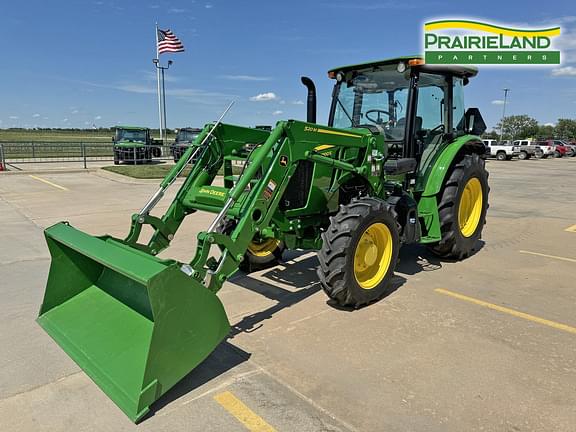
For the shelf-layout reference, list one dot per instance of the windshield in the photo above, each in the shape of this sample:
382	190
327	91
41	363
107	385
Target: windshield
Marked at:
184	135
374	98
130	135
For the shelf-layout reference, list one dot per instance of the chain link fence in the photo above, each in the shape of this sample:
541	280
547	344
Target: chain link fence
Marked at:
18	154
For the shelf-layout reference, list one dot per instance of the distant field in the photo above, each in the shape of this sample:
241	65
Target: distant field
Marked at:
61	135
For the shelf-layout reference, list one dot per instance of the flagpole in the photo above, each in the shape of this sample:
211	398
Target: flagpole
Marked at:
157	62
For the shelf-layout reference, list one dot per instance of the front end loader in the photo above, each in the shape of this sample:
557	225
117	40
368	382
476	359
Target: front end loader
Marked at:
399	162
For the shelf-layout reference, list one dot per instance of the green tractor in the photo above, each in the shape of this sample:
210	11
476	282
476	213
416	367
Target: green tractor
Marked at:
399	162
133	144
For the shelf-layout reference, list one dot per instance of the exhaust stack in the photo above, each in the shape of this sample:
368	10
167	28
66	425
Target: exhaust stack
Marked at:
311	100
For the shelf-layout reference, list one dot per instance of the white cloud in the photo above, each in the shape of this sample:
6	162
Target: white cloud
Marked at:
176	10
13	117
564	71
549	124
75	111
98	117
277	112
497	102
262	97
65	120
208	6
45	118
191	95
35	115
245	78
297	102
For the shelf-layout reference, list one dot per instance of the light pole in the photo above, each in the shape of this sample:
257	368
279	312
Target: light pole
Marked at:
506	90
162	69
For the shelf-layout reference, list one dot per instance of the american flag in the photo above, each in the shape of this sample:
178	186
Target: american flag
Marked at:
168	42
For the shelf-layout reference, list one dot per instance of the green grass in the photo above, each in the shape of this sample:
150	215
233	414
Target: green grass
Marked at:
143	171
153	171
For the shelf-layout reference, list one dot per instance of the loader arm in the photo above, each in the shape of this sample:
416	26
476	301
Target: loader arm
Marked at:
253	198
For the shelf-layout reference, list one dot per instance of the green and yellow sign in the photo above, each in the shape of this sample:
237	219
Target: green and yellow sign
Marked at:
474	42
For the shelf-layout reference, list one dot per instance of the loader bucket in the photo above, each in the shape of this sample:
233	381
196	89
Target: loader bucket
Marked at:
134	323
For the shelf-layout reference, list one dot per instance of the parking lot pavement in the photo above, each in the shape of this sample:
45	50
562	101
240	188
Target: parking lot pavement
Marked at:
484	344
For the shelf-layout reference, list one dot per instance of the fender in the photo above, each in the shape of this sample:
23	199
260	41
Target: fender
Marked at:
431	177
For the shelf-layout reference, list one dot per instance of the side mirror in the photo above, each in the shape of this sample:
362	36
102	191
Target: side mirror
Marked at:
475	124
112	139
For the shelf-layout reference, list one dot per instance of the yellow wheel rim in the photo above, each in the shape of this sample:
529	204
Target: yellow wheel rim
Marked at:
263	248
470	208
373	255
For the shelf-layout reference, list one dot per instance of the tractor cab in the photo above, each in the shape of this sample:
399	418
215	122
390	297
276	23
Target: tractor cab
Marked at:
411	104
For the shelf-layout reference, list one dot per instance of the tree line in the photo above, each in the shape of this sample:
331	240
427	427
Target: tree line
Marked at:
523	126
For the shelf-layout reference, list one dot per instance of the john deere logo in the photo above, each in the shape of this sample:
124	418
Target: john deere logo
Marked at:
283	160
474	42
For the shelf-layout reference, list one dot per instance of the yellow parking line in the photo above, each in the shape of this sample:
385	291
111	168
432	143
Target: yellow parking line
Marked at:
549	256
243	414
571	229
518	314
48	182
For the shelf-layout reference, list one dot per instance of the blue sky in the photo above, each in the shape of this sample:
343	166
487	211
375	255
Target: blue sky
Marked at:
74	64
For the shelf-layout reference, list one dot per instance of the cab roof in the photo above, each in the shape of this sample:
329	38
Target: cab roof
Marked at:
132	127
458	70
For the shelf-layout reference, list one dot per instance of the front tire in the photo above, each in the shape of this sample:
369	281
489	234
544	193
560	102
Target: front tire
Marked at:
523	155
359	252
262	254
462	208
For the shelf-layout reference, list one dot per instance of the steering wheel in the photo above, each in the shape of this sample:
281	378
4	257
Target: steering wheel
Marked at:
378	120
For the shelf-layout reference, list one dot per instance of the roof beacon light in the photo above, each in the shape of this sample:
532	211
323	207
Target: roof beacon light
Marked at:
416	62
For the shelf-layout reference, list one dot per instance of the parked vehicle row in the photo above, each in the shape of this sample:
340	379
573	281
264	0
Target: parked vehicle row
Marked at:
527	148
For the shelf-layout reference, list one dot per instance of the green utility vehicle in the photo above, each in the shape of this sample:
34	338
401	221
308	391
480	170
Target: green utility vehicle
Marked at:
134	144
399	162
184	138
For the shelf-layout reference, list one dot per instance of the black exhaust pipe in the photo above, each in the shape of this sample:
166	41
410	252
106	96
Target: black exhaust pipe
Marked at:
311	102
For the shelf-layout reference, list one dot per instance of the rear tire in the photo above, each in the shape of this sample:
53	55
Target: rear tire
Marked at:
359	252
557	154
501	156
461	193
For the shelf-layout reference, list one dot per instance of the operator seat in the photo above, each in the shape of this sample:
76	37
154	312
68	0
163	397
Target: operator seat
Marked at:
397	133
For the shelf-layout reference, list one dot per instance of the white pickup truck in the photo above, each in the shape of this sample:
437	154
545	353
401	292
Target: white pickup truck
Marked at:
528	148
500	150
